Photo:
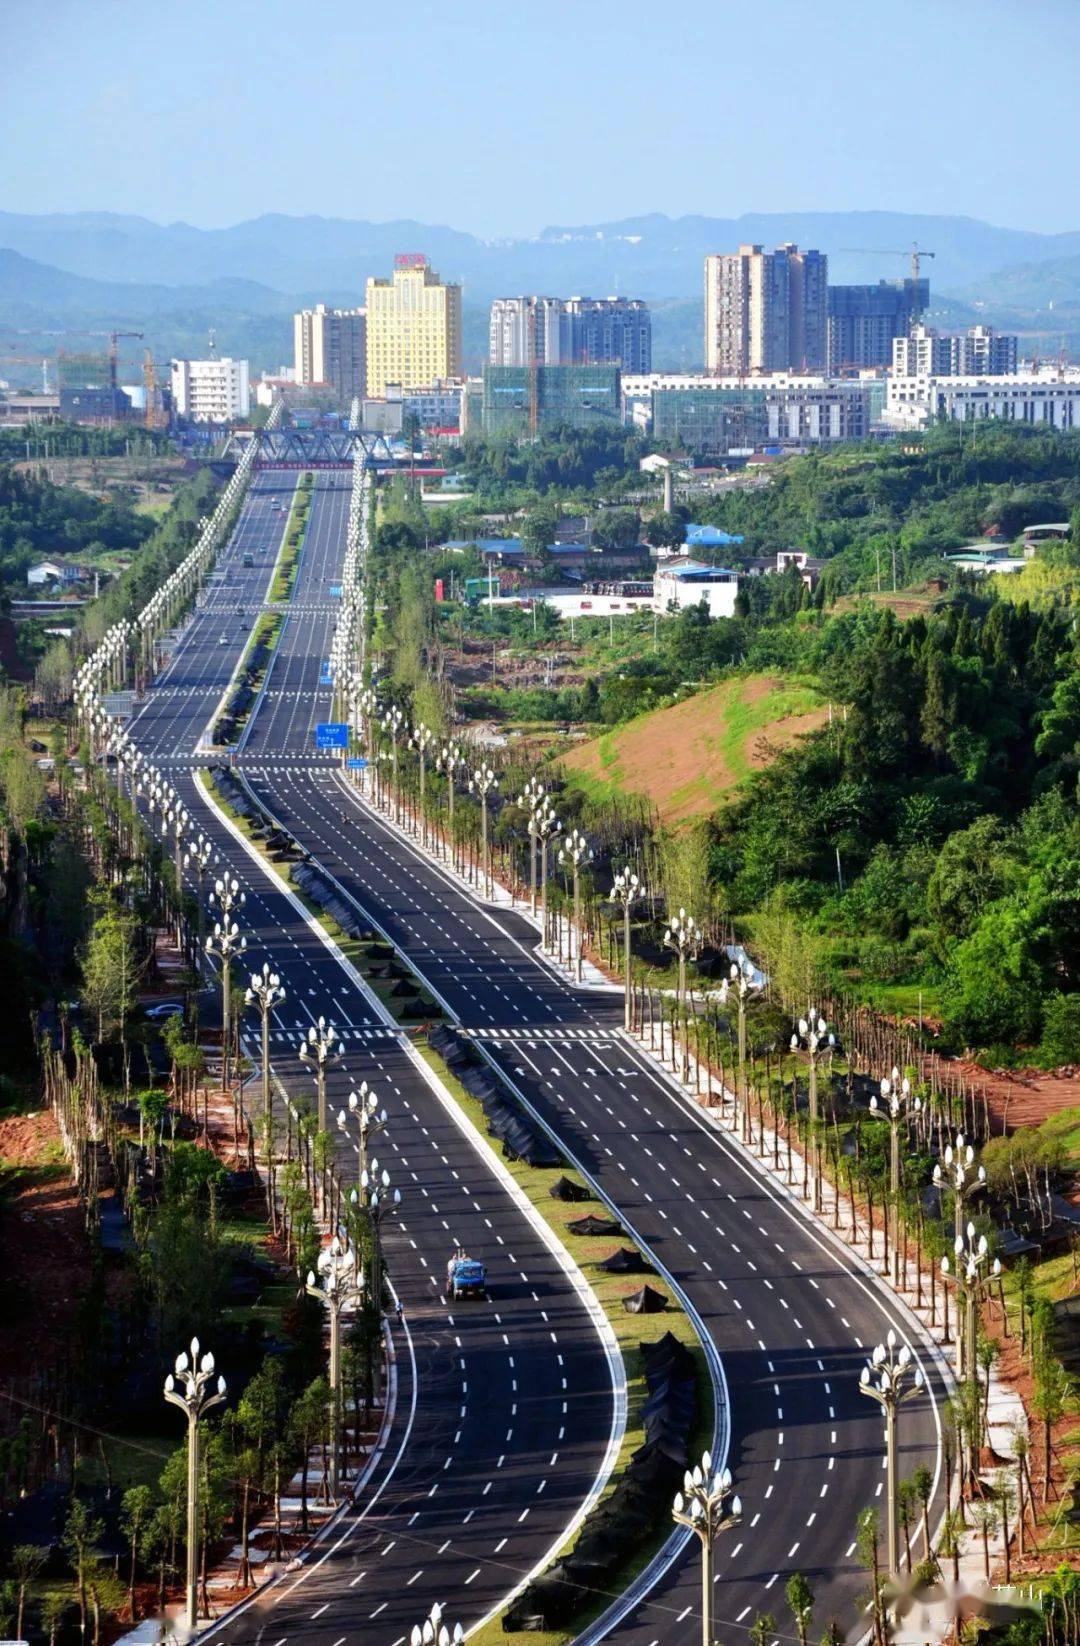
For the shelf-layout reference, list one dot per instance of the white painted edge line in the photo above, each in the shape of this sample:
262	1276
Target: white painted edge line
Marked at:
604	1331
678	1540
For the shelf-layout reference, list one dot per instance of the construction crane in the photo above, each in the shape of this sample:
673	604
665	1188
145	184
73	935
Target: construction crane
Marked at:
914	251
114	354
29	360
154	414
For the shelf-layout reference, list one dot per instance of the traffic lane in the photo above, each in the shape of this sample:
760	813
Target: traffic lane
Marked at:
537	1344
793	1332
485	977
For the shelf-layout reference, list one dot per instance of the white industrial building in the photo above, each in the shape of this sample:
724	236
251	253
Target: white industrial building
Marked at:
1051	397
690	583
211	391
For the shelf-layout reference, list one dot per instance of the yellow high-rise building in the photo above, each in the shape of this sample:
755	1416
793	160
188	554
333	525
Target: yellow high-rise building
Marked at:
413	327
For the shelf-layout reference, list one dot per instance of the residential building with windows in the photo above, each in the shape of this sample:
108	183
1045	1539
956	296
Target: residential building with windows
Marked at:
552	331
330	347
524	399
766	311
526	331
413	327
863	320
613	331
983	352
210	391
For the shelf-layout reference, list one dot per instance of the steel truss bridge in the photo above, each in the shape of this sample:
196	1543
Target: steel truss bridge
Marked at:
292	448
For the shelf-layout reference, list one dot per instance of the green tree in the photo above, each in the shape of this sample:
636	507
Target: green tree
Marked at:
27	1560
800	1599
307	1425
136	1507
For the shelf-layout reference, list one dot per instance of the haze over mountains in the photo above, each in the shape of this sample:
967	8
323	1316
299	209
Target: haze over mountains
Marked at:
95	270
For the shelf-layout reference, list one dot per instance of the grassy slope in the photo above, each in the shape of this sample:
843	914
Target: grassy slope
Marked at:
686	757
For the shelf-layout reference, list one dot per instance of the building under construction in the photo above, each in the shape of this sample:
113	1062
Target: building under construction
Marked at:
528	399
87	387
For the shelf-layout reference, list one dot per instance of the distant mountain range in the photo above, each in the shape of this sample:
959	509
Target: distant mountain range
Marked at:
63	277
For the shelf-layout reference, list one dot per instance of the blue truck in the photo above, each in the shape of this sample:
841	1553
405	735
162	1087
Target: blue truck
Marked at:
465	1278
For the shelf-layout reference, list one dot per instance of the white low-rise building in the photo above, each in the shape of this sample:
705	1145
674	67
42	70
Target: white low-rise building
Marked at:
211	391
683	583
1049	397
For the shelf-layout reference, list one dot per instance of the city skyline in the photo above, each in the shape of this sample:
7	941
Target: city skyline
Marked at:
315	150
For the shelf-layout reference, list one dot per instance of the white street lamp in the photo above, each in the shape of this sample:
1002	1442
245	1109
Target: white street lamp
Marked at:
225	941
884	1380
576	851
815	1035
626	889
370	1120
434	1632
482	781
684	935
320	1050
189	1386
895	1101
339	1282
707	1506
741	981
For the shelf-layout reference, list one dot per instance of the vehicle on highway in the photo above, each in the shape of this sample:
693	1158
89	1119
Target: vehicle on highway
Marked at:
249	560
465	1277
223	640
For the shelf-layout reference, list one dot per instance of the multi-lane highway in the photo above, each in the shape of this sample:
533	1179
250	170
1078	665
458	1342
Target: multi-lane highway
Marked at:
789	1311
504	1412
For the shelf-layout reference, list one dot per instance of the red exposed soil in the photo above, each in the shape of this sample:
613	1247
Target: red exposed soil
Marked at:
1024	1097
44	1250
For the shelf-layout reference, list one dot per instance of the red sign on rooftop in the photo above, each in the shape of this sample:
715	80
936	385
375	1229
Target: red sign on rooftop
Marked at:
410	260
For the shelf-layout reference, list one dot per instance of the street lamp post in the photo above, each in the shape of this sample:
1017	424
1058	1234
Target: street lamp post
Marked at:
576	851
200	857
379	1201
741	980
319	1050
626	890
970	1252
532	799
547	824
434	1632
370	1119
962	1176
225	941
422	740
482	781
885	1380
707	1506
894	1101
189	1386
393	721
447	762
684	936
339	1281
266	991
814	1033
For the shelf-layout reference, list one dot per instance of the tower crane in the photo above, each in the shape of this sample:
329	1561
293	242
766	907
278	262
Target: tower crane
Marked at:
114	354
914	251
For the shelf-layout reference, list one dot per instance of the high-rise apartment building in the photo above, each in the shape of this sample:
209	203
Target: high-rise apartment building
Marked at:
979	352
210	391
613	331
983	352
766	311
413	327
528	331
552	331
863	320
330	346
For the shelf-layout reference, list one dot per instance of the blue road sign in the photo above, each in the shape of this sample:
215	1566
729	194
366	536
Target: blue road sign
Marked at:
331	734
335	591
356	763
325	677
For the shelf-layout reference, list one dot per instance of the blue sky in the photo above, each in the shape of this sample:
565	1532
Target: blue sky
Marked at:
502	116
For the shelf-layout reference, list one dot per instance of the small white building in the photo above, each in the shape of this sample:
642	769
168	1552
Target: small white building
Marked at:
46	571
1048	397
690	583
211	391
